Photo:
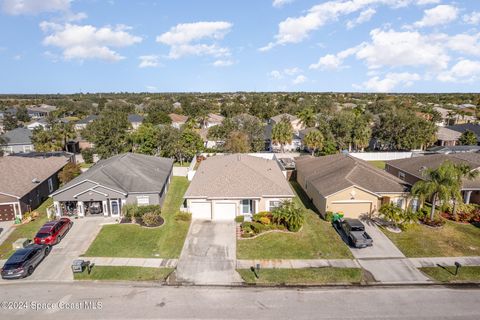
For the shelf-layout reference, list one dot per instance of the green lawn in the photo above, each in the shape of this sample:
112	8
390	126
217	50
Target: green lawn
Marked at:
442	275
28	230
316	240
85	165
184	164
450	241
133	241
378	164
125	273
309	276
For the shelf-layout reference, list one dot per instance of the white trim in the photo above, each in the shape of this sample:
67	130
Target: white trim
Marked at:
351	201
83	181
11	195
354	186
91	189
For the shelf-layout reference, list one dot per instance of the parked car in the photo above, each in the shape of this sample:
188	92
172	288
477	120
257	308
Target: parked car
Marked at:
52	232
24	261
354	231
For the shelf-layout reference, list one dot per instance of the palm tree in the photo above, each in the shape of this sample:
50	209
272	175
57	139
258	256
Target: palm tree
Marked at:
314	140
282	133
440	184
307	117
463	172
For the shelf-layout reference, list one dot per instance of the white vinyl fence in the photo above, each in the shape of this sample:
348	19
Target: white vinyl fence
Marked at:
381	156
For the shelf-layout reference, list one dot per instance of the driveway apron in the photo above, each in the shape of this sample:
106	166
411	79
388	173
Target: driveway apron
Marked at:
209	254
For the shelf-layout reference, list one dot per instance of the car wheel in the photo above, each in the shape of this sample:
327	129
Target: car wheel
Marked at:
47	250
30	271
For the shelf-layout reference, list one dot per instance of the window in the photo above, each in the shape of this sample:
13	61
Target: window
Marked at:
274	204
401	175
143	200
50	185
27	149
415	204
246	206
398	202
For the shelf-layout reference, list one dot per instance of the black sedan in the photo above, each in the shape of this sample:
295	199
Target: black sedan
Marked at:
24	261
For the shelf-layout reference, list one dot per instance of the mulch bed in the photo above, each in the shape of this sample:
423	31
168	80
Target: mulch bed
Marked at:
139	222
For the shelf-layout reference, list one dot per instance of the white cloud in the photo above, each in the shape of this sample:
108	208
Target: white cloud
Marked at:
390	82
149	61
424	2
183	39
299	79
87	41
462	71
440	15
33	7
409	48
334	62
473	18
297	29
285	73
281	3
275	74
463	43
223	63
151	88
364	16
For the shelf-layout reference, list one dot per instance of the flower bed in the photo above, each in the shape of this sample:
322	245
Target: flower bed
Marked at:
466	213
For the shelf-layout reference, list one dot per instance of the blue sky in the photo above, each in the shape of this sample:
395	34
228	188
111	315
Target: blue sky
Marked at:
65	46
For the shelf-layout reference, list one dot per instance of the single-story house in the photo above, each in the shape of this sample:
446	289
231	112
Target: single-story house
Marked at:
209	143
135	120
110	184
178	120
37	124
411	170
27	181
342	183
82	123
40	111
294	145
227	186
461	128
18	140
453	149
296	123
213	120
447	137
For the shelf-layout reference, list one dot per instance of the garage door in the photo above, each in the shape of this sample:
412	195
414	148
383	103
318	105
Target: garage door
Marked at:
201	210
7	212
351	209
225	211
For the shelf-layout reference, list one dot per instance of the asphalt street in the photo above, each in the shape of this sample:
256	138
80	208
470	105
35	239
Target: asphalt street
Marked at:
90	300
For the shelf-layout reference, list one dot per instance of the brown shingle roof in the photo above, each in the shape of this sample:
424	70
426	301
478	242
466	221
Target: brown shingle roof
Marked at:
180	118
334	173
415	166
238	176
446	134
17	173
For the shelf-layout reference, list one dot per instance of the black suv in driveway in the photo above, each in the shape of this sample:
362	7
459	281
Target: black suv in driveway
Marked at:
24	261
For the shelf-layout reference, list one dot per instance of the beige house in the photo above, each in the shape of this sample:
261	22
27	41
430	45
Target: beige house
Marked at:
231	185
344	184
296	123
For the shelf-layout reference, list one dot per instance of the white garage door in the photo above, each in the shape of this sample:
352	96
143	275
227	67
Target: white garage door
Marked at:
201	210
225	211
351	209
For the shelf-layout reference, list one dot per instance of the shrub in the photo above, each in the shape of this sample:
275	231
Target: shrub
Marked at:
150	219
265	220
87	155
239	219
183	216
290	215
141	210
247	229
391	212
329	216
258	227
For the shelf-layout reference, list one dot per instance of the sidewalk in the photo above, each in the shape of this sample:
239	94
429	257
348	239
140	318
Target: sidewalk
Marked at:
298	264
133	262
444	261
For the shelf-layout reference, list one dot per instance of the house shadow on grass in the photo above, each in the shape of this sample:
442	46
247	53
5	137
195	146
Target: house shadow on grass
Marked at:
303	197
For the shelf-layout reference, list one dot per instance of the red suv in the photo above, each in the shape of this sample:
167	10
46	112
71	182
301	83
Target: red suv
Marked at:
52	232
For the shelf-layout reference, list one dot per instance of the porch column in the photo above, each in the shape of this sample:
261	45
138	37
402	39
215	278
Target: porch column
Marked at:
123	202
80	209
468	194
58	210
257	204
105	208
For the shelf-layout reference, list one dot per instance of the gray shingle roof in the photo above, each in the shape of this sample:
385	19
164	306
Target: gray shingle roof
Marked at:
17	173
238	176
128	172
279	117
475	128
18	136
135	118
334	173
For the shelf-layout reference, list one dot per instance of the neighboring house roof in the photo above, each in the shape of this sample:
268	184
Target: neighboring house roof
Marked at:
454	149
215	118
18	136
87	119
267	133
331	174
279	117
446	134
304	132
42	108
475	128
238	176
179	118
19	173
416	165
133	118
128	172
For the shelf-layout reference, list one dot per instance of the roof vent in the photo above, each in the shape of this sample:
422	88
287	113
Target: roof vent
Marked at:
35	180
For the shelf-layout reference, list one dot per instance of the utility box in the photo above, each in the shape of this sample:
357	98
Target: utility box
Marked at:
21	243
79	265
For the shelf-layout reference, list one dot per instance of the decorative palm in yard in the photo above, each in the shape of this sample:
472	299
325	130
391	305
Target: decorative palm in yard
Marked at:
314	140
442	184
282	133
308	117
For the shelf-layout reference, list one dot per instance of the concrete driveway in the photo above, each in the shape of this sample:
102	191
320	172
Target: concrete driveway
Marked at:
6	227
57	265
209	254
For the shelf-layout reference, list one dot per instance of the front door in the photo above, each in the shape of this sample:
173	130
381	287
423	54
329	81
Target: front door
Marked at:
114	208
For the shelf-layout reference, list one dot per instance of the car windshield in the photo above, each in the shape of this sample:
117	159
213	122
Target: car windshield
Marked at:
357	228
11	266
43	235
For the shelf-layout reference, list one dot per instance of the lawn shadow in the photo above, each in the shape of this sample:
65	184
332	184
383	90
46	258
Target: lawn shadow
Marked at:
307	203
445	268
